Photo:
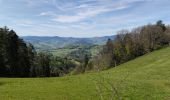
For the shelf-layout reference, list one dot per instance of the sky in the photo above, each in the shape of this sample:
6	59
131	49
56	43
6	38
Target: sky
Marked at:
80	18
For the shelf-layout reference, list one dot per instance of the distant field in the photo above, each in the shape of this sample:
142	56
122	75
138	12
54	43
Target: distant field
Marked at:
62	52
65	51
145	78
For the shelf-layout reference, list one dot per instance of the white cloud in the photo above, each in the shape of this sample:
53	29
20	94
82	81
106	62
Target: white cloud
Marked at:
36	2
23	22
48	13
85	11
80	16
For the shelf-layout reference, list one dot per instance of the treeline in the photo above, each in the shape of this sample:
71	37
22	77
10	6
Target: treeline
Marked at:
15	55
20	59
129	45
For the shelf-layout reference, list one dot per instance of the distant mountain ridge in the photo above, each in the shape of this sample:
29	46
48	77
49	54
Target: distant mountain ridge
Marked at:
55	42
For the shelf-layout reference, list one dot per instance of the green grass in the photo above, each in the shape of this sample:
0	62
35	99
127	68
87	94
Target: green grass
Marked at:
145	78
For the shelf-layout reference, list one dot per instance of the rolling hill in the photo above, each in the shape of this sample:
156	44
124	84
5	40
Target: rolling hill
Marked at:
144	78
51	43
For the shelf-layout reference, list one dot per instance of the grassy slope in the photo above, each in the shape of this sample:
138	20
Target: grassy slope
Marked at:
145	78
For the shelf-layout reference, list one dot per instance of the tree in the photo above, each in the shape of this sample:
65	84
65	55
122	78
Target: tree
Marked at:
31	55
12	53
167	35
120	49
129	45
138	48
160	23
23	59
86	61
106	59
110	49
2	53
43	64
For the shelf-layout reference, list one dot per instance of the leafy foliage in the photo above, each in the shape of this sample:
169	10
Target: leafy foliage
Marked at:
129	45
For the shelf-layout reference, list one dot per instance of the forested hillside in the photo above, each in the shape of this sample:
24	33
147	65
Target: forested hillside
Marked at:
20	59
16	57
128	45
52	43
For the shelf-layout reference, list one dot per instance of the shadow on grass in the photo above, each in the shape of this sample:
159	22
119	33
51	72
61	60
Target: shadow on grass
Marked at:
2	83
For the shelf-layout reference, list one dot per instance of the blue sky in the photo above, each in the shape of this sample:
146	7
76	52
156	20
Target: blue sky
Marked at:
80	18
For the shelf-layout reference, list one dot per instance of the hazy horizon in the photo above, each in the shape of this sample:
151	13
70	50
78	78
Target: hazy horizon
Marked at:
80	18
